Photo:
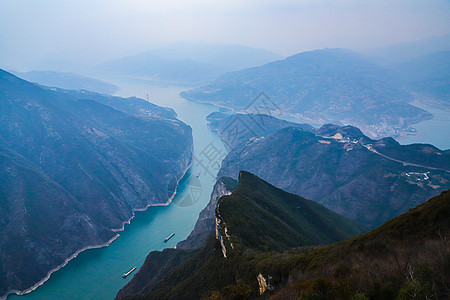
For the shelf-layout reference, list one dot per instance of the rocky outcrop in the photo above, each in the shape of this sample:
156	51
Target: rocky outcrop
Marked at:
255	220
406	256
207	218
262	283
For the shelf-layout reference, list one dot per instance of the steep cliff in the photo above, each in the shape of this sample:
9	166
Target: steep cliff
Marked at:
206	221
74	167
256	217
406	258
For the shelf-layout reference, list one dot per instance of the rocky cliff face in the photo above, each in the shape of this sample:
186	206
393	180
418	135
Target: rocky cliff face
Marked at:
405	258
206	219
262	217
74	167
254	219
158	264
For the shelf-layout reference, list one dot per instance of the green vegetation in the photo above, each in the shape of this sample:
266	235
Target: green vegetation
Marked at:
260	216
406	258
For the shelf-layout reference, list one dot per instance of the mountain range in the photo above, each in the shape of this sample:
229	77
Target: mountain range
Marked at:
250	258
256	217
74	166
401	52
69	81
329	85
237	130
370	181
186	63
429	76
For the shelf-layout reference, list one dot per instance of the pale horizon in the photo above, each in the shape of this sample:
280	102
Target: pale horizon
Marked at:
45	33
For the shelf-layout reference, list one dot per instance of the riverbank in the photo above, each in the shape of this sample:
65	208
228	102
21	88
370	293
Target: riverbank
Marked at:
435	131
97	274
98	246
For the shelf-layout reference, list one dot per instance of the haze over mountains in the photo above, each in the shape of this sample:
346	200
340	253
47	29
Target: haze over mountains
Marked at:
428	76
69	81
370	181
423	66
330	85
273	138
253	221
76	164
74	167
186	63
401	52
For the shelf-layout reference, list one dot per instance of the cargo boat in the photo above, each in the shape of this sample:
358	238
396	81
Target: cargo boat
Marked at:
125	275
169	237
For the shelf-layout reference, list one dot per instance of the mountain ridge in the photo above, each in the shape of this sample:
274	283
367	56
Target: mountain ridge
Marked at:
70	81
340	167
374	265
74	170
227	249
320	86
188	64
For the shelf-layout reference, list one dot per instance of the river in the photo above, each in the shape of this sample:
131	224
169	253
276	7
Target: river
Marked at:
97	273
435	131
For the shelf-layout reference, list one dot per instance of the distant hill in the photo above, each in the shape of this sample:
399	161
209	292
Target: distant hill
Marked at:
406	257
370	181
231	57
429	76
237	130
69	81
255	216
74	166
400	52
329	85
187	63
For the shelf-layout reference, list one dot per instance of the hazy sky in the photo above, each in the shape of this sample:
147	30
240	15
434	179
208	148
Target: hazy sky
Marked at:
34	32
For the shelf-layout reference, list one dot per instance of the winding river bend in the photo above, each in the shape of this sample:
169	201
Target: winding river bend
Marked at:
97	273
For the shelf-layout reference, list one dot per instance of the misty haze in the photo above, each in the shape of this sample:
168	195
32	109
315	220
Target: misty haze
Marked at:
225	149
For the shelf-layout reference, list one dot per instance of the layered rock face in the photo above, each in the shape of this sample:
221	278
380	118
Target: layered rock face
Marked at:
206	220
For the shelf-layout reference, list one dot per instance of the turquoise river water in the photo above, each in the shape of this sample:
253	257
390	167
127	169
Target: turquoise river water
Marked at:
97	273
